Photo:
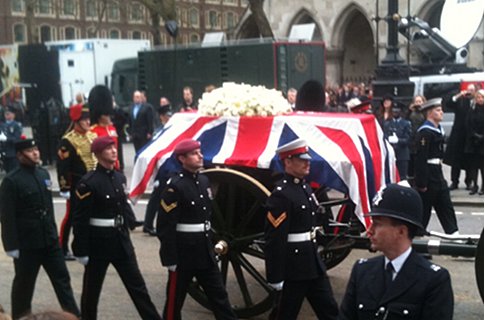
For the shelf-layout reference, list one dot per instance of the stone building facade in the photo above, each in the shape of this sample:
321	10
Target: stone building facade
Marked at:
355	42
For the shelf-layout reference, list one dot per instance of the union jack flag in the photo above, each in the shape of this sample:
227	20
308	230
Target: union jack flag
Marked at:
349	152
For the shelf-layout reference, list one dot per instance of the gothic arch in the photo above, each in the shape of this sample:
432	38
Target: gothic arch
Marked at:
302	17
353	37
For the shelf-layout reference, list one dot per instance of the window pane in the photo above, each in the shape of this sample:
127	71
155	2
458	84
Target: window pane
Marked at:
19	33
136	35
213	18
45	34
90	8
17	6
136	12
230	20
194	18
114	34
114	11
69	7
44	6
70	33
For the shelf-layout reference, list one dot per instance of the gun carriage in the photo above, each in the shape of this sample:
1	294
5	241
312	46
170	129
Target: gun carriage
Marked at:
350	162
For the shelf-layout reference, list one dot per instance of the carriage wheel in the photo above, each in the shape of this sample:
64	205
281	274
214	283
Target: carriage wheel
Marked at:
238	222
479	265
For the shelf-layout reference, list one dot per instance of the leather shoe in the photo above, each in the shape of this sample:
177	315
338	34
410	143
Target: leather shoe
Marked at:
453	186
139	223
150	231
473	190
69	257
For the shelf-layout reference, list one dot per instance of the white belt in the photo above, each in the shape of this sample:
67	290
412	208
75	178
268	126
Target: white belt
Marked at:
193	227
300	237
434	161
117	222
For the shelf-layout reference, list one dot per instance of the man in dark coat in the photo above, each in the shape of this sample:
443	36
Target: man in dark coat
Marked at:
29	232
141	121
454	156
401	284
398	131
101	219
429	178
293	267
183	227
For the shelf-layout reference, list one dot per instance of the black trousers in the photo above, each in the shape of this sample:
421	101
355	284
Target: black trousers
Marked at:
318	293
27	268
211	282
439	199
127	268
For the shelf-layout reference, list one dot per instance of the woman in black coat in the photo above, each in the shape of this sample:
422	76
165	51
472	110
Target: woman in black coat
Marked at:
474	141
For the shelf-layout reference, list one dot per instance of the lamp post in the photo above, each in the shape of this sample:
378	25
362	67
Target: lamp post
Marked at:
392	74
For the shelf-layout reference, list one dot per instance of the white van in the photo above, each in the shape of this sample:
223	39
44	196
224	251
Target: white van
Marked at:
442	85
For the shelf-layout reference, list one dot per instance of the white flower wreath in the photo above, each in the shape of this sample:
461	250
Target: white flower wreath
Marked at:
233	99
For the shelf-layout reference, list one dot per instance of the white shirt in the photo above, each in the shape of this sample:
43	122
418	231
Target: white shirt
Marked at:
398	262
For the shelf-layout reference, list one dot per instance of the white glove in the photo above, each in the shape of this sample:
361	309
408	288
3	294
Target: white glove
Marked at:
172	268
83	260
65	194
3	137
393	139
13	254
277	286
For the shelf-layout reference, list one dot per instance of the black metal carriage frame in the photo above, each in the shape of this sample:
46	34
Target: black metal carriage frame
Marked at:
238	221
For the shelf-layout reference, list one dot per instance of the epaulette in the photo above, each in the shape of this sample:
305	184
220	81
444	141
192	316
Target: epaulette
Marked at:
435	267
89	175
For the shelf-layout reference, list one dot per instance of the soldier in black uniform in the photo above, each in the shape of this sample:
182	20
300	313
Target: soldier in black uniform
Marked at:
29	232
429	178
183	227
293	266
101	219
401	284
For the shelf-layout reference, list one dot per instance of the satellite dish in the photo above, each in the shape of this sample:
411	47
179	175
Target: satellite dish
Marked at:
460	20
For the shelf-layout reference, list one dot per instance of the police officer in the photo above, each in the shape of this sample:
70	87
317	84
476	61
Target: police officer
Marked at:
398	132
183	227
429	178
401	284
10	132
293	266
29	232
101	219
74	159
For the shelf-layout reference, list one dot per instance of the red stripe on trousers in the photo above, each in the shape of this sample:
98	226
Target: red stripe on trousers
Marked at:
172	291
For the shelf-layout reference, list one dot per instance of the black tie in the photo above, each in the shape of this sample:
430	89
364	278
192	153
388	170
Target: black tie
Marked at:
389	273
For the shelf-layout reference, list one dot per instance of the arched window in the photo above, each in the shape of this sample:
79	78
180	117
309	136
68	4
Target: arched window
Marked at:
212	20
136	35
19	33
230	20
114	34
70	33
194	37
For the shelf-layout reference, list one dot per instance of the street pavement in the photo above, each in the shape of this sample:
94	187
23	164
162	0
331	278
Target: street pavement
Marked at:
115	302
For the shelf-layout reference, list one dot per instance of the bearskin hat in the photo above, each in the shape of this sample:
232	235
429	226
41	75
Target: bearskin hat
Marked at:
100	102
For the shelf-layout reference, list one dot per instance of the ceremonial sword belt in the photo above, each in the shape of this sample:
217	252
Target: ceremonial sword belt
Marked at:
193	227
302	236
117	222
